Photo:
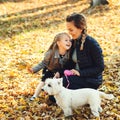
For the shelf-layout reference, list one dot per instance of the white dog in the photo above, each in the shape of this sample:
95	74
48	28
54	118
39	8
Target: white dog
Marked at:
68	99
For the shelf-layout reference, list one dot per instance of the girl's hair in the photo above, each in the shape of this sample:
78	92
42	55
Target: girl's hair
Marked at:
79	22
53	47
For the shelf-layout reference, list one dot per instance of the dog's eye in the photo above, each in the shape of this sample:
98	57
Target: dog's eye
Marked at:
49	85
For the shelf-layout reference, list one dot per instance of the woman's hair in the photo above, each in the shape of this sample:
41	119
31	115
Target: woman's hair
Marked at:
79	22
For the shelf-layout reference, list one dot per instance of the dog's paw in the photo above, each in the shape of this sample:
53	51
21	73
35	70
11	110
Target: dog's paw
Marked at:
95	113
32	98
100	109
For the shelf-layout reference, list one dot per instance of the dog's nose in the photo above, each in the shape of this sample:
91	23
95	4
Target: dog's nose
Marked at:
42	89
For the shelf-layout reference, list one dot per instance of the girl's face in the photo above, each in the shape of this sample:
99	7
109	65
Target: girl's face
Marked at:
64	43
73	30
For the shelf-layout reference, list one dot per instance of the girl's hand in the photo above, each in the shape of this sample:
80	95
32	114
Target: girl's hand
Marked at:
57	75
75	72
30	70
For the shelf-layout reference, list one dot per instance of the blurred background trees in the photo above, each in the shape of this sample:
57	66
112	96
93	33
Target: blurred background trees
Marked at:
98	2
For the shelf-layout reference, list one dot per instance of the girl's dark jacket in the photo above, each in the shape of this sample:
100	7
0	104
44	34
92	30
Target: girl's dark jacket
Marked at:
90	59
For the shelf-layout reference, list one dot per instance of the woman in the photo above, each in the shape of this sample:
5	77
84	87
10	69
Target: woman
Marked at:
86	55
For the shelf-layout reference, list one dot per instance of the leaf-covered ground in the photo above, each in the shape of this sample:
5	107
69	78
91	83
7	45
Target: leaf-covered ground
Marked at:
27	27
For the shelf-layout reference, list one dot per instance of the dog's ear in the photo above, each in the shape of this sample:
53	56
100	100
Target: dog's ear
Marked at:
60	80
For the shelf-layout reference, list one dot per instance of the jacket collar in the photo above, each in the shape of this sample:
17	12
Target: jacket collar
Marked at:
57	55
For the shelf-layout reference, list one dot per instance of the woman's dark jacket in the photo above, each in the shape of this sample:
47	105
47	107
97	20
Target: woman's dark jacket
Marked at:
90	59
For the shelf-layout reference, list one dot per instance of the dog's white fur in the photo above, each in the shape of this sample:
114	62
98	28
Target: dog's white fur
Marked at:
68	99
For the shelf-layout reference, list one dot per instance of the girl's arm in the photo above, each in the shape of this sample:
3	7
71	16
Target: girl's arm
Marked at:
44	63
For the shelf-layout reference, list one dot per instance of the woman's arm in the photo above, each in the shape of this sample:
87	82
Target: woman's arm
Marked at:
97	60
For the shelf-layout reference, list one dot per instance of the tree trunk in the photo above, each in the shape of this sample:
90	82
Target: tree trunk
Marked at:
98	2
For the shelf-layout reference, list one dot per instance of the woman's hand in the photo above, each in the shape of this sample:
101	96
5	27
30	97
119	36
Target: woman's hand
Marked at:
75	72
57	75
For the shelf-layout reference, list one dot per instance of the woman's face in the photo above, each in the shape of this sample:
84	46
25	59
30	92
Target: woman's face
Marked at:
73	30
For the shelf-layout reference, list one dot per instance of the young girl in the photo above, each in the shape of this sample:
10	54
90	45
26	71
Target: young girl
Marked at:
55	60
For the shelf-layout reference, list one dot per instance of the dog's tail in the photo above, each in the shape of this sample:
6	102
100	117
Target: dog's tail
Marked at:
106	96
